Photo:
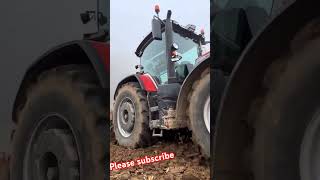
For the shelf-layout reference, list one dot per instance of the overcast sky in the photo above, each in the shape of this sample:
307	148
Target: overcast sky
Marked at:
131	21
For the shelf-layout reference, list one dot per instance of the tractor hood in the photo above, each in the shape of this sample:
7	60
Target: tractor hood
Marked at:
177	29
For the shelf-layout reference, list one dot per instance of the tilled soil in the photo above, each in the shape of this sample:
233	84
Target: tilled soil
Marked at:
188	163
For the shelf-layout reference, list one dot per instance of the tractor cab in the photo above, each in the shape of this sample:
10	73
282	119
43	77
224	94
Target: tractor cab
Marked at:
178	56
169	54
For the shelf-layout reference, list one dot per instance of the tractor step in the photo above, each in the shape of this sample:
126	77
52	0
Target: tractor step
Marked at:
154	109
157	134
154	124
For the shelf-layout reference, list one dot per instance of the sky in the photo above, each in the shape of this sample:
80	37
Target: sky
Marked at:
130	22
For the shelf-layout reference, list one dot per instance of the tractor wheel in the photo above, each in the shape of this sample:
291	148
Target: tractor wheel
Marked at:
199	112
62	129
286	144
131	117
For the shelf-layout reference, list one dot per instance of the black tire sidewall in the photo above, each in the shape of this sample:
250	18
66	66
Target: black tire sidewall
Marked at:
285	118
288	134
133	139
197	103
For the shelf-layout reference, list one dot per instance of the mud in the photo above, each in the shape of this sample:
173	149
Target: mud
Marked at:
187	164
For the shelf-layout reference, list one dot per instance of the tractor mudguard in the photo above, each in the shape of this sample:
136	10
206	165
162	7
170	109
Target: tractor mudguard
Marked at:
186	88
96	52
145	81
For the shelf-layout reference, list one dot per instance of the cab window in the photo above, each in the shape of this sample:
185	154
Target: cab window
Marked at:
153	60
154	56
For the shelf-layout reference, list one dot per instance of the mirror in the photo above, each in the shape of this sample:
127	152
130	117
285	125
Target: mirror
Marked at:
174	47
102	19
175	55
85	18
156	29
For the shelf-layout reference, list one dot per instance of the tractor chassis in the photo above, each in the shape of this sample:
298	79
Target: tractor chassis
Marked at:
168	120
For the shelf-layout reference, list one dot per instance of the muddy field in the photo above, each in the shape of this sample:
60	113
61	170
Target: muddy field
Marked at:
187	164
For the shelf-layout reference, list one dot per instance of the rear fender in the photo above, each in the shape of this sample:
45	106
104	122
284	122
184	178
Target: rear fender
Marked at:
186	88
93	53
145	81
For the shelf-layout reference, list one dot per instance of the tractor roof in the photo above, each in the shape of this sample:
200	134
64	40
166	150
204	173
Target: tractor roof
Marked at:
177	29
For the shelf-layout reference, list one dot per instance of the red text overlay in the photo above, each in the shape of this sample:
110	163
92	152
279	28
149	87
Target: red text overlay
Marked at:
141	161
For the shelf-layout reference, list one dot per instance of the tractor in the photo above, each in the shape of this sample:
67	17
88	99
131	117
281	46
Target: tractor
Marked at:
54	95
268	123
171	89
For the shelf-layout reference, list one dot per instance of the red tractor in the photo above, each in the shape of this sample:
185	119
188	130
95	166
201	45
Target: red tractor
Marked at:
171	89
54	89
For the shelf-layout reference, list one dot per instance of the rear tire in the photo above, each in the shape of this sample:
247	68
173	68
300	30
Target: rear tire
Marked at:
287	132
199	113
64	113
131	117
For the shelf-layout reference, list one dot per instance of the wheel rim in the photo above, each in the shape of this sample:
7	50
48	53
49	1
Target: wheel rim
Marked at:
126	117
48	165
206	113
310	150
